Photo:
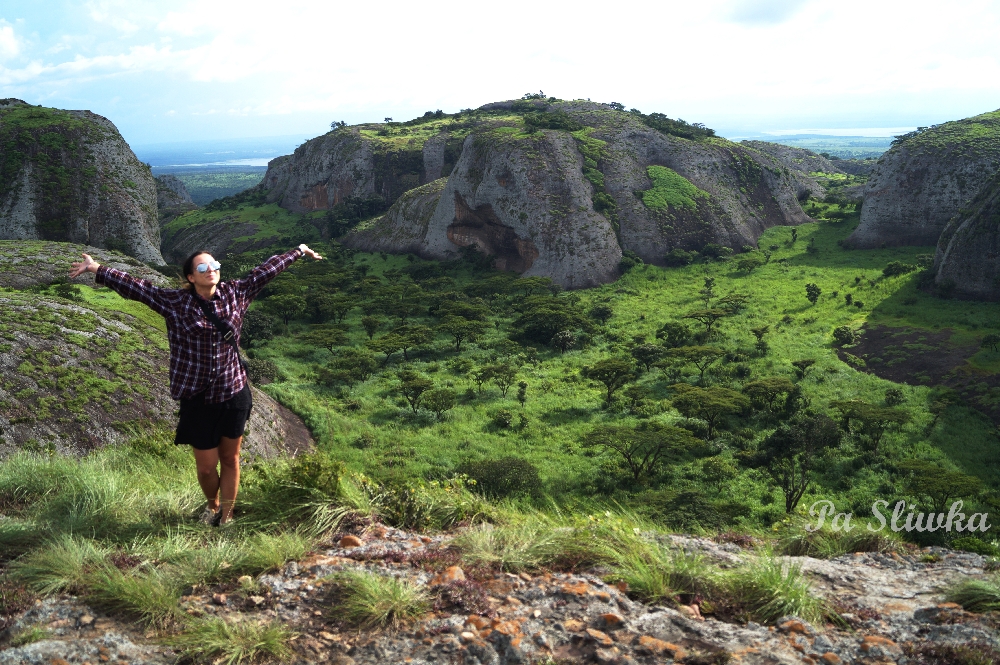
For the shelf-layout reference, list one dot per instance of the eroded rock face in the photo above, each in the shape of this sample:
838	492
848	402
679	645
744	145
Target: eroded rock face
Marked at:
172	198
924	180
70	176
565	203
969	248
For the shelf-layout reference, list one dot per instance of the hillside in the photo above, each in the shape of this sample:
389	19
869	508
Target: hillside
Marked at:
925	179
70	176
550	188
172	198
966	257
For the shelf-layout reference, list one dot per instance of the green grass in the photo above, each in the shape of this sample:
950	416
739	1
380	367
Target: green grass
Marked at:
370	600
767	590
215	640
27	636
208	184
671	190
976	595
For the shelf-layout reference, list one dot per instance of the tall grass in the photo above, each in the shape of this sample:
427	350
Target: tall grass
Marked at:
63	564
219	641
767	589
976	595
370	600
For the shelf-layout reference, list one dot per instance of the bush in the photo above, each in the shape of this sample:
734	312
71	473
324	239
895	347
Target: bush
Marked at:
504	477
629	258
975	545
262	372
677	257
258	327
897	268
503	419
845	335
716	251
894	397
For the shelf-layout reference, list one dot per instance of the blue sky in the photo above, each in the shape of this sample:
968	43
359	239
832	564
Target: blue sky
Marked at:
208	70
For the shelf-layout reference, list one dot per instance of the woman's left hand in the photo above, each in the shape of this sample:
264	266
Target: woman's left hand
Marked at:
308	252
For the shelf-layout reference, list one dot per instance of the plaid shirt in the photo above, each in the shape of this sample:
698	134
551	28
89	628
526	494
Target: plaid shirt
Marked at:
200	359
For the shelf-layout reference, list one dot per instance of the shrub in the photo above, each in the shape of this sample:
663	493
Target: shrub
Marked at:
629	258
262	372
258	328
503	419
975	545
504	477
894	397
897	268
678	257
845	335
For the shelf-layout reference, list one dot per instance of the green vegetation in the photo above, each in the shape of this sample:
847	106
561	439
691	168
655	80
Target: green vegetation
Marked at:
207	185
671	190
371	600
955	136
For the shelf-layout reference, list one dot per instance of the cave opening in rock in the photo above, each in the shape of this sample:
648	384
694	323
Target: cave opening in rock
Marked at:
484	230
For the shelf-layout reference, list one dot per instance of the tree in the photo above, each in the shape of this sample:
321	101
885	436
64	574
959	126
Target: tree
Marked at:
718	470
643	449
371	324
813	292
707	293
765	393
522	392
413	386
503	375
482	375
285	306
792	451
339	305
701	357
710	404
760	332
637	397
387	344
707	317
802	366
939	485
873	421
348	366
439	400
612	372
733	302
648	354
327	337
673	334
412	337
461	329
845	335
563	340
749	263
602	312
990	341
258	327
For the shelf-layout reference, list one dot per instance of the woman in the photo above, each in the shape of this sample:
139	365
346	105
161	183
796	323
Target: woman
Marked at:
206	373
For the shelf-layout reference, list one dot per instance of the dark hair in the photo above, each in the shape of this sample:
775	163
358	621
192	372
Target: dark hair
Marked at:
188	268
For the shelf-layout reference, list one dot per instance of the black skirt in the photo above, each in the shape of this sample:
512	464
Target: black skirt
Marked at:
202	425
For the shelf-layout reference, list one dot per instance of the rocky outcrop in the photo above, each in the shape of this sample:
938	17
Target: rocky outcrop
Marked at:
562	193
78	373
967	254
800	163
70	176
925	179
172	198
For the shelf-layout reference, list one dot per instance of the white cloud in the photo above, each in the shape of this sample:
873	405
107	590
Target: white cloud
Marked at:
9	45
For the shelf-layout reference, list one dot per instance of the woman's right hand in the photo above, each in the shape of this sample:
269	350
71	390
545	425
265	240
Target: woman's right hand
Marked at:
87	265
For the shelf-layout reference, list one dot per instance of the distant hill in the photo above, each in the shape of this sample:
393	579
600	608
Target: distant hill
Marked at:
547	187
70	176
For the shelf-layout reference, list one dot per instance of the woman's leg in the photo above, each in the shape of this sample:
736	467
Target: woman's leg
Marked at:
229	458
207	462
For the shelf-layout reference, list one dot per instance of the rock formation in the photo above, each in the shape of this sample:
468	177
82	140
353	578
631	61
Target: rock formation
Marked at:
555	189
925	179
77	375
967	252
70	176
172	198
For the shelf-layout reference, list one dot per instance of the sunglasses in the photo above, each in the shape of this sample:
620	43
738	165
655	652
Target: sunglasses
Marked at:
211	265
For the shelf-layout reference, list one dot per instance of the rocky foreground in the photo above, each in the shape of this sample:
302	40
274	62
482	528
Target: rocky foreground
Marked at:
892	602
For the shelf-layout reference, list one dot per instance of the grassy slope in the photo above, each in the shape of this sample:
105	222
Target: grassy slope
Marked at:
562	406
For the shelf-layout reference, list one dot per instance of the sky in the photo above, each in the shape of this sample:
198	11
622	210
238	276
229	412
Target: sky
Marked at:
226	69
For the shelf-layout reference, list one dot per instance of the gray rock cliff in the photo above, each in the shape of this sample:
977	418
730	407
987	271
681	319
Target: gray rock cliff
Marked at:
70	176
925	179
969	248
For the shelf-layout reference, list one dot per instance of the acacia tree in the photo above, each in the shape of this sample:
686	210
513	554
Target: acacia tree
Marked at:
707	317
701	357
648	354
439	400
710	404
614	373
371	324
563	340
938	484
461	329
413	386
643	449
764	393
387	344
673	334
791	452
412	337
503	376
325	336
873	421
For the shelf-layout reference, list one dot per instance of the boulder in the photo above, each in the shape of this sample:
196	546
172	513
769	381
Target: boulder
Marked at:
967	252
70	176
925	179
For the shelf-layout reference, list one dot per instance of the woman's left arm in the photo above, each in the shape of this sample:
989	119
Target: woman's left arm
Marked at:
258	278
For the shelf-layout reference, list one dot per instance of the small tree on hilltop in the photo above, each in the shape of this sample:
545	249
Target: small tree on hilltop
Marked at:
990	341
939	485
707	317
648	354
614	373
765	394
802	366
327	337
387	344
481	376
710	404
371	324
643	449
873	422
439	400
522	392
285	307
462	329
813	292
503	376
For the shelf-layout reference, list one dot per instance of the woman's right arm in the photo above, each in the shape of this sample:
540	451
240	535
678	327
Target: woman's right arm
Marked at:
125	285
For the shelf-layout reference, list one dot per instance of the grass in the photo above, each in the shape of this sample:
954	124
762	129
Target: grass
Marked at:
671	190
976	595
27	636
767	590
215	640
370	600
